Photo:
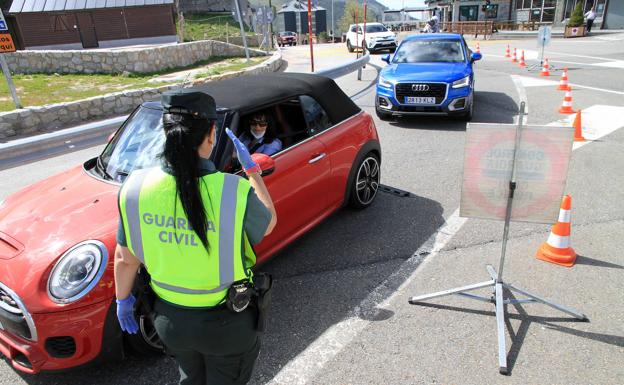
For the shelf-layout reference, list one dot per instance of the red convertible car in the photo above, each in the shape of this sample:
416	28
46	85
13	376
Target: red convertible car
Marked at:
57	236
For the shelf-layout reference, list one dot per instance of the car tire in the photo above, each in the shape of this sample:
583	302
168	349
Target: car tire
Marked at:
146	341
383	115
365	183
349	46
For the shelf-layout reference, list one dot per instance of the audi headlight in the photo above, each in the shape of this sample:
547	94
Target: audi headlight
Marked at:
77	271
384	83
463	82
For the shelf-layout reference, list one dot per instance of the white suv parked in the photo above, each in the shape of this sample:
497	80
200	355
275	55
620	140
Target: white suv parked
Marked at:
377	37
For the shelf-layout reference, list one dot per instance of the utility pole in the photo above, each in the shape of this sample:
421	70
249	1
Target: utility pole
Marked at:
240	22
332	21
310	34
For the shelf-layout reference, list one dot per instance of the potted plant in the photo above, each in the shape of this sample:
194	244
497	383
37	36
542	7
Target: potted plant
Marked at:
323	37
575	27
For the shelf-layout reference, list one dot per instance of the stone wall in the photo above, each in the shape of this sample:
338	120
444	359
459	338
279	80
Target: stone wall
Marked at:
35	120
137	60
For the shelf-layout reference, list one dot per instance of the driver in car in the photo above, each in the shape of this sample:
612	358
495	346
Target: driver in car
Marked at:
260	138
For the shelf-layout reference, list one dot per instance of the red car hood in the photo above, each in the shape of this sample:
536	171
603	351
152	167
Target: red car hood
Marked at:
47	218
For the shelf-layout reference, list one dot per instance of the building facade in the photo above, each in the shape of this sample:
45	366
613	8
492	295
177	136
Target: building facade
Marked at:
610	13
293	17
78	24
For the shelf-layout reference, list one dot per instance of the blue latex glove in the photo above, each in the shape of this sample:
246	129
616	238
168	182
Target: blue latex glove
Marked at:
249	165
125	315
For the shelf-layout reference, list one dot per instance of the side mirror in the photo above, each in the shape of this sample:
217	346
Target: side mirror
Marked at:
266	163
475	56
386	58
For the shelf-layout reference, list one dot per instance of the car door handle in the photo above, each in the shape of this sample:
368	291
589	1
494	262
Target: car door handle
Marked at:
317	158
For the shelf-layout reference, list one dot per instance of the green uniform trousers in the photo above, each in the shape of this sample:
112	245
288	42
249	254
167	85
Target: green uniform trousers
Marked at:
212	346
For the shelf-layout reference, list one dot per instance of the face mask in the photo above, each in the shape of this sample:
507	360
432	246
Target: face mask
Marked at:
257	136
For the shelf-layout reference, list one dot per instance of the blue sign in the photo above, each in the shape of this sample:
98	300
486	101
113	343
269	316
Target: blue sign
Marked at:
3	26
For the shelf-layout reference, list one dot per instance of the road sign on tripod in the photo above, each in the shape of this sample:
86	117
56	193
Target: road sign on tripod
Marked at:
502	160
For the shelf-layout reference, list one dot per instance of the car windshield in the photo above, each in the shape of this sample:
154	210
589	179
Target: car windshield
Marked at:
287	33
375	28
138	145
428	51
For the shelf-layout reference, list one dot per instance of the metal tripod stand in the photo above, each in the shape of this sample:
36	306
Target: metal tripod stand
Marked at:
496	277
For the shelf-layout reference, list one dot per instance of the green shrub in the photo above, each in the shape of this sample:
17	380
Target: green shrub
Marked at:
576	19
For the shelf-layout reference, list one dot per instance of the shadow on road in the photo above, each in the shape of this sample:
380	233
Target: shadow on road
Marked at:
323	276
490	107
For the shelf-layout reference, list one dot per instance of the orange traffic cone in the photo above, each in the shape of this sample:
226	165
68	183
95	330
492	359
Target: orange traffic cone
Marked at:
563	83
578	128
507	52
566	106
545	68
557	248
478	48
522	62
514	58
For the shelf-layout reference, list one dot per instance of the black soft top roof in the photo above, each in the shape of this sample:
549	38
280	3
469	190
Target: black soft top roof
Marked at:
256	91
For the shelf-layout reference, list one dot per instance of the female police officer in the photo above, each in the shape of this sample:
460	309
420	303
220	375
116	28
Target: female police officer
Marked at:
192	228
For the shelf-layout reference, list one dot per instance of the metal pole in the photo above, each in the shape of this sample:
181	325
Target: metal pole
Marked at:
512	189
9	79
271	26
357	32
240	21
332	18
310	34
364	30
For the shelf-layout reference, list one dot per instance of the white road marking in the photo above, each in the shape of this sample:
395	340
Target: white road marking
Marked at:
556	61
612	64
537	82
596	121
521	95
534	82
309	362
583	56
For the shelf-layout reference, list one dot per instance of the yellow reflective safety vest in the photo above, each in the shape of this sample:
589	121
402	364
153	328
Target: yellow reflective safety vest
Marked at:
160	235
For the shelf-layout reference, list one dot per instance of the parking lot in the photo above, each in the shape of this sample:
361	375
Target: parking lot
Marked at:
340	313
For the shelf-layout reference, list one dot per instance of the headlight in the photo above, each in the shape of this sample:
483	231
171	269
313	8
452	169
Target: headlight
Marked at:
463	82
77	271
384	83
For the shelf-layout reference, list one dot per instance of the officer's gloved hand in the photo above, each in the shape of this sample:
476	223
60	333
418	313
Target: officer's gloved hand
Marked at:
125	315
249	165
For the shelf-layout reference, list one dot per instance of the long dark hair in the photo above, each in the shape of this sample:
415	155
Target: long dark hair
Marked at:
184	135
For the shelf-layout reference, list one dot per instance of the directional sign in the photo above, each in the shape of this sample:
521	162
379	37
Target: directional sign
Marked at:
541	171
543	35
6	43
3	23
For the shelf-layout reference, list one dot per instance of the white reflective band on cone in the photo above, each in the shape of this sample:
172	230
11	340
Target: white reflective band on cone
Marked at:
558	241
565	216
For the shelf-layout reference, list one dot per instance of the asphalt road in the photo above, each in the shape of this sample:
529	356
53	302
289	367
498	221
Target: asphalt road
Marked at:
340	313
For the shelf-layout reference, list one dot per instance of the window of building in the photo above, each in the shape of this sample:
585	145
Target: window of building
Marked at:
539	10
62	23
491	11
587	4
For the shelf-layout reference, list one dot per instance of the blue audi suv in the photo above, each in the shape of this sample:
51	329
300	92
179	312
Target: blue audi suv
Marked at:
429	74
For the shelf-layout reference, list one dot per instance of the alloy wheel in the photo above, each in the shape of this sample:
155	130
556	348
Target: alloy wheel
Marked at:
148	332
367	181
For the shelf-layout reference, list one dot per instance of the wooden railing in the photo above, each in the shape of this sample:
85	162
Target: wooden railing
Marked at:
475	28
518	26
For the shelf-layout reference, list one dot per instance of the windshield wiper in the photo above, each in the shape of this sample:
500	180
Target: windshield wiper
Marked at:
102	169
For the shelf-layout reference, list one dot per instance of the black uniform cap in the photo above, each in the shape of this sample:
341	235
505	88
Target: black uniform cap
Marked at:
187	101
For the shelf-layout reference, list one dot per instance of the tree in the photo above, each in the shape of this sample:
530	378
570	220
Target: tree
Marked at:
576	19
351	10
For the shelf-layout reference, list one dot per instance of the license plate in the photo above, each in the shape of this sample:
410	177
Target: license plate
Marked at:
386	43
419	100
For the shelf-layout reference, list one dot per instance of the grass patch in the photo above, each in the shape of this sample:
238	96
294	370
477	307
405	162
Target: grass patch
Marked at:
211	26
229	65
40	89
